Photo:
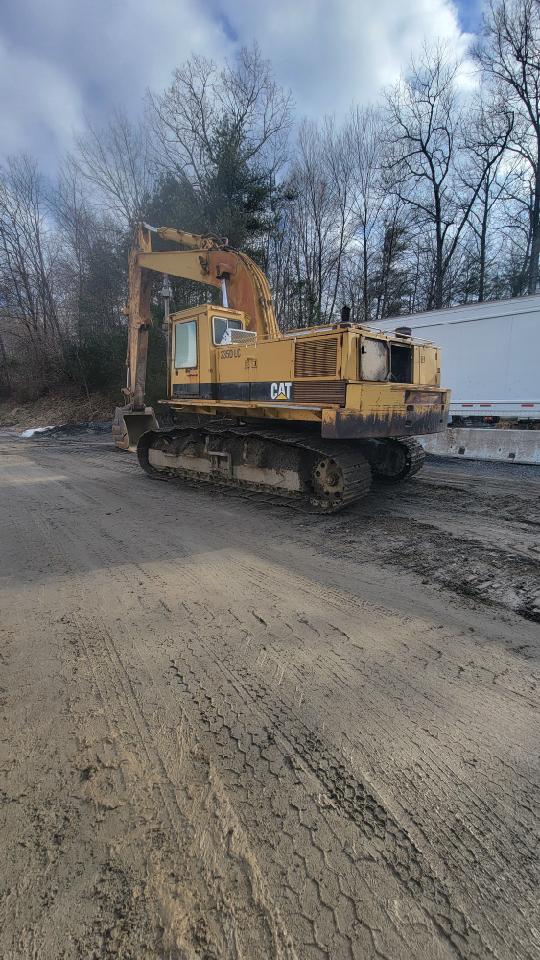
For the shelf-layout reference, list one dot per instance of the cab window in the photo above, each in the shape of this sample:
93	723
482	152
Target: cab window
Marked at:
185	344
220	327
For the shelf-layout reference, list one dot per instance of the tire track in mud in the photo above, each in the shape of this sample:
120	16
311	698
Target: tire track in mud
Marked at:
351	797
127	715
430	769
309	937
453	837
236	916
333	917
162	585
478	542
494	661
346	865
502	573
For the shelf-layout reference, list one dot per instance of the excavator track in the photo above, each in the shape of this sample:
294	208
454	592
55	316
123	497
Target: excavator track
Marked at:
396	460
295	466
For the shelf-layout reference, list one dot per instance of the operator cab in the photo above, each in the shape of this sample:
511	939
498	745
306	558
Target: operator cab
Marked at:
197	336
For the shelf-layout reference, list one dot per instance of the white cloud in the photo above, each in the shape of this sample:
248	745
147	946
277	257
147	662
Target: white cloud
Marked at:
334	53
41	105
63	59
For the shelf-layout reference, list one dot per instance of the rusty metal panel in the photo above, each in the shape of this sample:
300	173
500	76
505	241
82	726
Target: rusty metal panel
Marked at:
348	425
424	398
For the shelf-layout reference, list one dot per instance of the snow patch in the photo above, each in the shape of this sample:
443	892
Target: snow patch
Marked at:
30	433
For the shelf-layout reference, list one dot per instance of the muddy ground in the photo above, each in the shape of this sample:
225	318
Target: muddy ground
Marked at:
234	730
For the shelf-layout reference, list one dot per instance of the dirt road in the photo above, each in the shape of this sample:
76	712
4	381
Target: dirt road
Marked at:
232	730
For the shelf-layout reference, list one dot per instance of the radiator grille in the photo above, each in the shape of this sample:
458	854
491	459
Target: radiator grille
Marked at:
240	336
321	392
315	358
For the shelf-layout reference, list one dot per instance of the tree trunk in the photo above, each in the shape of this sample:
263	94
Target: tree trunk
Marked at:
438	279
365	283
438	285
483	239
3	356
388	257
535	231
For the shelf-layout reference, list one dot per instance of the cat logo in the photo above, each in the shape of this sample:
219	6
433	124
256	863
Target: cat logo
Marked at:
280	391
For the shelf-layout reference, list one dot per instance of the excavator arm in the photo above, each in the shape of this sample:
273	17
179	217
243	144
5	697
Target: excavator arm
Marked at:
208	260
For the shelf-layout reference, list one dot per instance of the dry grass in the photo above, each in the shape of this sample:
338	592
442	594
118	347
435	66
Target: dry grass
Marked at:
53	411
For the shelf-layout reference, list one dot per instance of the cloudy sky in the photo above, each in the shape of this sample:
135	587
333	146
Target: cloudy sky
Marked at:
64	60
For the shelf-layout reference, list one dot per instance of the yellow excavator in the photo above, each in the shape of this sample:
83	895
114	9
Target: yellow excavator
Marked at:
311	414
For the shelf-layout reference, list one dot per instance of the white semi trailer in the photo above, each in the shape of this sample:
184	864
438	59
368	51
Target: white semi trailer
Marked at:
491	362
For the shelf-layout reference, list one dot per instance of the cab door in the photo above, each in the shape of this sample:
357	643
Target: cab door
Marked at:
185	359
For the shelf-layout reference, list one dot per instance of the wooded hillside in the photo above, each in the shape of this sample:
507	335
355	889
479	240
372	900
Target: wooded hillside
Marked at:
430	197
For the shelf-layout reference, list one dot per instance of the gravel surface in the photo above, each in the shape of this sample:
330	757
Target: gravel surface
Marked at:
235	730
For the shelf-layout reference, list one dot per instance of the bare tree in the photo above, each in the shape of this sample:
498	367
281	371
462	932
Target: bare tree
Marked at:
321	217
279	262
204	103
26	248
340	164
510	58
28	255
391	281
364	133
90	266
426	147
221	136
312	223
516	228
75	224
115	160
488	129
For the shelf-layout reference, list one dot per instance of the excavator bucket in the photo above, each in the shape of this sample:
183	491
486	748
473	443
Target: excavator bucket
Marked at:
128	425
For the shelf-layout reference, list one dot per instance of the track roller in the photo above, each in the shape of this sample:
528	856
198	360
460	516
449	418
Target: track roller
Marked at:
394	461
